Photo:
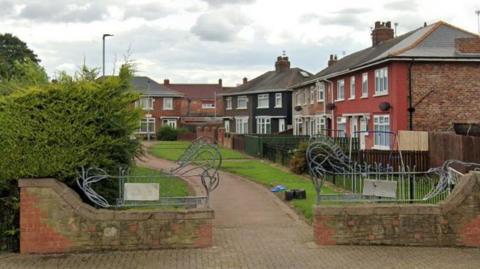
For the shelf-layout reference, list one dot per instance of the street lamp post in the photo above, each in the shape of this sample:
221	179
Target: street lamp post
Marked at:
103	52
478	19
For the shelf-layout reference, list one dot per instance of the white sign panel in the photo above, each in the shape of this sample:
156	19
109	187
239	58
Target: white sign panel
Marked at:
380	188
142	191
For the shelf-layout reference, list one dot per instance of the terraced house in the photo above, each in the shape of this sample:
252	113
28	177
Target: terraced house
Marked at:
263	104
427	79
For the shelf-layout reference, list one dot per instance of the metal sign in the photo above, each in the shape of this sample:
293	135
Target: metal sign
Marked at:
380	188
142	191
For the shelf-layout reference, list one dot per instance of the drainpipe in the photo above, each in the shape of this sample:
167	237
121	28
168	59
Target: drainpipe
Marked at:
411	109
325	107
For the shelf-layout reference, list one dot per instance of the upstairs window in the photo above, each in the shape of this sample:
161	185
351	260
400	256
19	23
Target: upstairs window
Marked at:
278	100
208	105
312	95
352	87
168	103
262	100
321	92
340	90
300	98
365	85
145	103
242	102
381	81
229	103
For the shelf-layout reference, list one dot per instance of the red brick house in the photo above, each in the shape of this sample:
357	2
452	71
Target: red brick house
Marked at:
199	101
427	79
161	106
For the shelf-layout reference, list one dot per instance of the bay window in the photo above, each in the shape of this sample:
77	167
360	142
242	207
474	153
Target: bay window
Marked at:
147	126
241	125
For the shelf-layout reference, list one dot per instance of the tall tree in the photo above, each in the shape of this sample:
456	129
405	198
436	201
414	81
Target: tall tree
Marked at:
13	51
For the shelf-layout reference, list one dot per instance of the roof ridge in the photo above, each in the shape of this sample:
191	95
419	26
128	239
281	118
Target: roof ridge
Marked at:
458	28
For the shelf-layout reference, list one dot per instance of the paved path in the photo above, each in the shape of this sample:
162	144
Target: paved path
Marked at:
253	229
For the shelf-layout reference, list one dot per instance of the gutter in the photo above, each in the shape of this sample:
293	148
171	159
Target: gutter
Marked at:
325	107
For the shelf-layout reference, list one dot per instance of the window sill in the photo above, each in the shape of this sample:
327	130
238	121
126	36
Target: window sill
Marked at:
277	107
241	108
380	147
263	107
320	101
339	100
363	97
167	109
380	94
351	98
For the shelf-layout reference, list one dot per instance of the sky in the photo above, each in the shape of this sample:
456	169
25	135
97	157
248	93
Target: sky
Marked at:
200	41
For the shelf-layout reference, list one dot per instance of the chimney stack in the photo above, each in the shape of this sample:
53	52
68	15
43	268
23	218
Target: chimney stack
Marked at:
333	59
220	81
245	80
382	32
282	64
166	81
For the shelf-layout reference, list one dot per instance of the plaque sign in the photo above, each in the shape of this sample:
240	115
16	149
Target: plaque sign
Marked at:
380	188
142	191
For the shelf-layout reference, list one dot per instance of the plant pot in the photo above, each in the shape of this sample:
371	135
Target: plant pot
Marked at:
299	194
289	195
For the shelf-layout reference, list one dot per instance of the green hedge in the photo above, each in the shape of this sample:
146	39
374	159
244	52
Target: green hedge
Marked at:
51	130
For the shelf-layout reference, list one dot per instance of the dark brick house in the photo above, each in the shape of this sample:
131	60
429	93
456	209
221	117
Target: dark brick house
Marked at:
427	80
263	104
199	100
161	106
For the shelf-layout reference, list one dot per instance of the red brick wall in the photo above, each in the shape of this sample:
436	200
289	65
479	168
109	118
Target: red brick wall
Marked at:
53	219
444	93
454	222
468	45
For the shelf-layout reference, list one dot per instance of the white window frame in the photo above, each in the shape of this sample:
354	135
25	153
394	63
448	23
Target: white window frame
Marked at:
145	103
352	88
228	105
341	127
148	130
264	125
340	90
241	125
245	98
226	125
281	125
263	100
381	81
364	85
167	103
170	122
312	95
298	125
381	127
278	100
321	92
319	125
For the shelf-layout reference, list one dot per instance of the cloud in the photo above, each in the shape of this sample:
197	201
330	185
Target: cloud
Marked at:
220	25
228	2
149	11
64	11
340	18
7	7
402	5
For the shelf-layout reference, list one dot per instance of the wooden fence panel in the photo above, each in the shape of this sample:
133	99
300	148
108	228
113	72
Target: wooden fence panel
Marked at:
449	146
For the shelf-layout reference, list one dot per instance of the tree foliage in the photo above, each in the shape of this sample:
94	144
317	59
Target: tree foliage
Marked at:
13	52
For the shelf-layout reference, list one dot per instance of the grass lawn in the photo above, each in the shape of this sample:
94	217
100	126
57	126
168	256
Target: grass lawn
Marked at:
169	186
172	150
257	170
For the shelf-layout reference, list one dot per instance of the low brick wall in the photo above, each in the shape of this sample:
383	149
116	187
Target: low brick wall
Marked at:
53	219
453	222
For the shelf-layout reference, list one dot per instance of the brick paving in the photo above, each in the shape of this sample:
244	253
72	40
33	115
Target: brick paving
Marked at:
253	229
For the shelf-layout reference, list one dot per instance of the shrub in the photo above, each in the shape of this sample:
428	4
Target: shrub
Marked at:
167	133
298	163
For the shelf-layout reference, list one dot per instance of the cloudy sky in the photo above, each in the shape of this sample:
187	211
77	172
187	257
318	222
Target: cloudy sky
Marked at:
203	40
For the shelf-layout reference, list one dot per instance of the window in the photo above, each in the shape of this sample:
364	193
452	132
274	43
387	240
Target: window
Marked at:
306	96
321	92
298	126
241	125
229	103
341	126
147	126
264	125
262	100
278	99
242	102
365	85
208	105
352	87
381	81
167	104
170	122
226	124
381	126
300	98
319	125
340	90
145	103
281	125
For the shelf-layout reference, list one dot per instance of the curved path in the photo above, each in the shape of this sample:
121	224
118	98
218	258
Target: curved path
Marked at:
254	229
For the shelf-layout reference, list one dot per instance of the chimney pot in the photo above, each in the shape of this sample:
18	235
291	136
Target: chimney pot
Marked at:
382	32
332	60
220	81
166	81
245	80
